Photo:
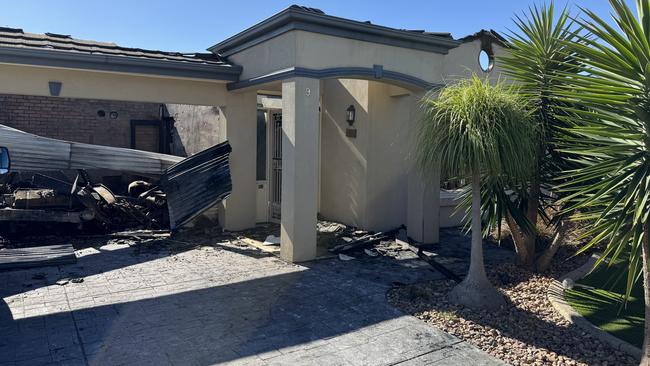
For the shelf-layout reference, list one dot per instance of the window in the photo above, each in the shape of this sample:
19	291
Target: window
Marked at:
5	162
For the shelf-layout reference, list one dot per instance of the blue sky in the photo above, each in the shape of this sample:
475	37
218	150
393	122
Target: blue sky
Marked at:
192	26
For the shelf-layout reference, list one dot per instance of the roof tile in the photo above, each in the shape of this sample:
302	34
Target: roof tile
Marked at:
16	37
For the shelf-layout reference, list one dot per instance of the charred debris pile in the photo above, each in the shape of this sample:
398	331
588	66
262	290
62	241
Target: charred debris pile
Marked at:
47	184
33	202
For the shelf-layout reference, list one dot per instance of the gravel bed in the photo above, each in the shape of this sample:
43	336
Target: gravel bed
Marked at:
527	331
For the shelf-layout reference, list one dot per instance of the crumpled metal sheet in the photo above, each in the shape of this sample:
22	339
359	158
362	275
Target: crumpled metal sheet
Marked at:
30	152
197	183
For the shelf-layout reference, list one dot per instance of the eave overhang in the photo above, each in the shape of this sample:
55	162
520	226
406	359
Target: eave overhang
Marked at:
120	64
377	73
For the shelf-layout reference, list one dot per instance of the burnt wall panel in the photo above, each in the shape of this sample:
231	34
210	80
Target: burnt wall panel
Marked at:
196	128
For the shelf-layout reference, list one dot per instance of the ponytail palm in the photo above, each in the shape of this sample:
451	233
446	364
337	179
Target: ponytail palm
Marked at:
483	131
612	125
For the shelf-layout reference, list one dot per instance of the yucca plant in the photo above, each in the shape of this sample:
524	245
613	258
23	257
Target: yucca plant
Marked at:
537	57
610	140
476	130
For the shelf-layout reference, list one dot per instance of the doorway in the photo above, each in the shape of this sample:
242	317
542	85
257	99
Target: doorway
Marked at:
150	135
269	165
276	165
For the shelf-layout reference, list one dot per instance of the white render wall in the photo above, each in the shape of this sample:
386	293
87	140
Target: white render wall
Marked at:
299	48
344	160
391	114
318	51
238	211
462	61
88	84
276	54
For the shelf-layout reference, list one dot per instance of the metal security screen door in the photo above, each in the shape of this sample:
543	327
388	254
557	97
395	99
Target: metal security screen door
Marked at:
276	166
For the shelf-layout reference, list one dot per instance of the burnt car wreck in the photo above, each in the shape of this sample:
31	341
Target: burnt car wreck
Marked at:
45	181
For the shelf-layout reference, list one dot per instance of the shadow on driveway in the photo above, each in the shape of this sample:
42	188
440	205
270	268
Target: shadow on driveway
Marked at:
220	304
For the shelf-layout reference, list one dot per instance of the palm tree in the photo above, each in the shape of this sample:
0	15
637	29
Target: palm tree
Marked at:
612	143
474	129
537	56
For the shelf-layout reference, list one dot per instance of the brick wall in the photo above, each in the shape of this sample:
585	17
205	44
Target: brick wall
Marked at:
75	119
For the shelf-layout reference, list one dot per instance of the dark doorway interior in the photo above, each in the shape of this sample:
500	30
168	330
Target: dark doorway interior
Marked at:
150	135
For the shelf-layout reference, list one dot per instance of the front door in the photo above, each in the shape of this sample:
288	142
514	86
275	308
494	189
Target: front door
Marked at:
262	214
276	165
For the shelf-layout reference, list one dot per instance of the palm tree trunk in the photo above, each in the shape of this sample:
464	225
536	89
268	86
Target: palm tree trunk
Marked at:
527	260
476	265
545	260
476	291
645	248
525	242
531	215
525	252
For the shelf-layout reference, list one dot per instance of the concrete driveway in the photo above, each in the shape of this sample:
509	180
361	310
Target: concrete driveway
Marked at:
221	303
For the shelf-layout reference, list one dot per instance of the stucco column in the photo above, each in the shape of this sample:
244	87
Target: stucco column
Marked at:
237	212
300	110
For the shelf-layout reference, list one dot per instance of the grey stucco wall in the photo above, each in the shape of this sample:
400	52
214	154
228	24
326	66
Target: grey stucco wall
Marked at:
196	128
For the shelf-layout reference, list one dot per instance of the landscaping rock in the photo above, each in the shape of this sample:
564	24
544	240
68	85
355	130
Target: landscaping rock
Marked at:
526	331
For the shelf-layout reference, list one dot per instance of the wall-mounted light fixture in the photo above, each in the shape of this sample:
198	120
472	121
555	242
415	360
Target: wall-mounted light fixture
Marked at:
350	115
113	115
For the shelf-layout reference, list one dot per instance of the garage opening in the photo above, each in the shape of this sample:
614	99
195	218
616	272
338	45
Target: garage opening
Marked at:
87	165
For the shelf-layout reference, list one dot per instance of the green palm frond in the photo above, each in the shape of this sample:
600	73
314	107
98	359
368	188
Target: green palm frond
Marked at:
538	53
475	126
608	132
536	60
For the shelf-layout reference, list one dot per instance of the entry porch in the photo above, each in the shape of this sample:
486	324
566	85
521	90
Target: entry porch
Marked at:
340	148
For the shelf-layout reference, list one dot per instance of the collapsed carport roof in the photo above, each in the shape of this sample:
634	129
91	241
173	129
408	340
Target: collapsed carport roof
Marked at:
30	152
58	50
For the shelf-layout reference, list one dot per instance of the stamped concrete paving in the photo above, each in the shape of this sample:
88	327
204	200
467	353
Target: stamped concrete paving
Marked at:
217	304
